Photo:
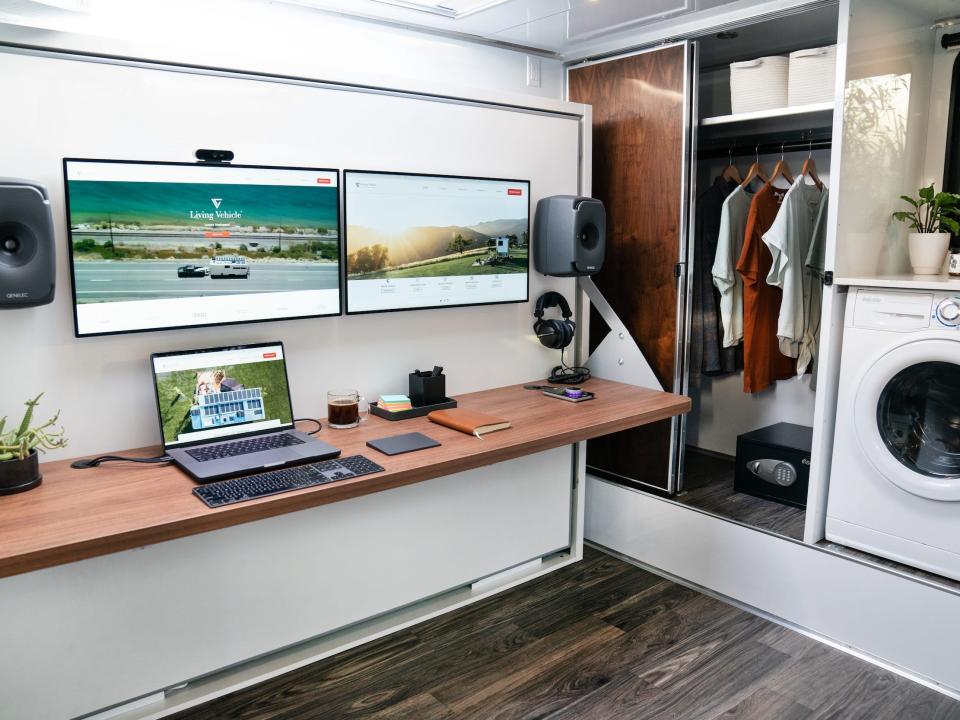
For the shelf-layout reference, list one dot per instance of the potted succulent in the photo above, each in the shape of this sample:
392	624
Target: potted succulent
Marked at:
933	218
19	448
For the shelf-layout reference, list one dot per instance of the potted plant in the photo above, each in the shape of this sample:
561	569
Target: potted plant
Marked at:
933	218
19	448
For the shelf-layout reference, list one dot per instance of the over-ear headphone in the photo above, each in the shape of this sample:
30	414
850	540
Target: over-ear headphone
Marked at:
554	334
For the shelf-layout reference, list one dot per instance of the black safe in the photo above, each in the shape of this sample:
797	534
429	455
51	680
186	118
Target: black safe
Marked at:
774	463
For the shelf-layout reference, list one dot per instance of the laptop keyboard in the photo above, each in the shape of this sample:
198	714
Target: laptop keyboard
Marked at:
227	492
243	447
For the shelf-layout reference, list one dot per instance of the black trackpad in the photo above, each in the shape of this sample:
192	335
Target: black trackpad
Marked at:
398	444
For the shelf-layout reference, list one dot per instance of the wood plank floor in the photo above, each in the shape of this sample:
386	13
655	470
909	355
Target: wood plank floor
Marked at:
708	485
600	639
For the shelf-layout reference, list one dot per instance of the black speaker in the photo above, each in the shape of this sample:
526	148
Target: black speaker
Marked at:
27	263
569	236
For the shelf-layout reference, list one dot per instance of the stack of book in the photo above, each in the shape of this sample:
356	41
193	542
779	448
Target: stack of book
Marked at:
394	403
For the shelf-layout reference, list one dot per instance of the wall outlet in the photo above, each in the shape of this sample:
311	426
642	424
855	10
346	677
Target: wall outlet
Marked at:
533	71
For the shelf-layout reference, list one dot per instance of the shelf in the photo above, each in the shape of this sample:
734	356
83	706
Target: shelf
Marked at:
795	112
902	282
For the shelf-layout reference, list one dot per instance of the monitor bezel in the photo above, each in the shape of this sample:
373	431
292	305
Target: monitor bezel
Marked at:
345	246
283	427
73	280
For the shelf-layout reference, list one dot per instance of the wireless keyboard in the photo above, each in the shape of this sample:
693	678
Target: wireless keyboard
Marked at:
250	487
244	447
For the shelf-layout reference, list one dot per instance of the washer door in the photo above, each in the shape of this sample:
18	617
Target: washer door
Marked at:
908	418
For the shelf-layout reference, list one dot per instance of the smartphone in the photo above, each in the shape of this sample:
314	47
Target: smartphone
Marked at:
560	394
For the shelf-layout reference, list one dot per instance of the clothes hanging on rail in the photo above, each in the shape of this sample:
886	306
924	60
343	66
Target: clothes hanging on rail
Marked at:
763	362
733	226
708	355
790	240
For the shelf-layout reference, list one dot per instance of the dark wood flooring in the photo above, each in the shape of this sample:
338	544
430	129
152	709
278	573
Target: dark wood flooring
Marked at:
600	639
708	485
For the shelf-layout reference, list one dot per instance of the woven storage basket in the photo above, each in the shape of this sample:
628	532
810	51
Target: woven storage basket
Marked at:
812	75
759	84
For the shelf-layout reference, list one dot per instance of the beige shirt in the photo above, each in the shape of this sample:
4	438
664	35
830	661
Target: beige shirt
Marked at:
799	225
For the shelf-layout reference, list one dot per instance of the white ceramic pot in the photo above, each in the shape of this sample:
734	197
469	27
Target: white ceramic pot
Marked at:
927	252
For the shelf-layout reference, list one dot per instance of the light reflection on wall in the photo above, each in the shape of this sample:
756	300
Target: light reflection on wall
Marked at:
875	123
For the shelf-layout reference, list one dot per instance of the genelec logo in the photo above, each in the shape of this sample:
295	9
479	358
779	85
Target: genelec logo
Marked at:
17	295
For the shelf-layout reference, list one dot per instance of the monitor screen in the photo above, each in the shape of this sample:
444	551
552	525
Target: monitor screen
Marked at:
422	241
207	395
169	245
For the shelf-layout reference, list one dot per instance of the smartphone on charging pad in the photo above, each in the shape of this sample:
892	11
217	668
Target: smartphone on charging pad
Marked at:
570	394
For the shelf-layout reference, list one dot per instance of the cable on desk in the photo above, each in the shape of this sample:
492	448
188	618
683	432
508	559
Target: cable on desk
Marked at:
94	462
564	374
313	420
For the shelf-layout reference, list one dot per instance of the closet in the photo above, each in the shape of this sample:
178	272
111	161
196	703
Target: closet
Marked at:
668	148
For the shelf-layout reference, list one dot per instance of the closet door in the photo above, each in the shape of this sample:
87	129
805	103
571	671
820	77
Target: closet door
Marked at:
641	113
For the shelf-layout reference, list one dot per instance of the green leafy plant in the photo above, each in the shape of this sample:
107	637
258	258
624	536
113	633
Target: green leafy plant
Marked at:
932	211
19	442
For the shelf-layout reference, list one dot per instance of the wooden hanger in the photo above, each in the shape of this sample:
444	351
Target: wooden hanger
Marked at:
809	169
730	172
755	171
781	169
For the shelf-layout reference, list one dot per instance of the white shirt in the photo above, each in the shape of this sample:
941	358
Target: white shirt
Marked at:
799	225
733	226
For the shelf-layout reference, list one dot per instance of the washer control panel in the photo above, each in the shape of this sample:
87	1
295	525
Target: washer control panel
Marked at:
948	311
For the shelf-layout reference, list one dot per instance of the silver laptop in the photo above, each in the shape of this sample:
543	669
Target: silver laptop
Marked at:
227	411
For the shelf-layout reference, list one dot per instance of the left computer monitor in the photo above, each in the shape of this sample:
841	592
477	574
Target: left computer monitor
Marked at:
159	245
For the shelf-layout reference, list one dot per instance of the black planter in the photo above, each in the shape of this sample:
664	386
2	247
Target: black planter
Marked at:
19	475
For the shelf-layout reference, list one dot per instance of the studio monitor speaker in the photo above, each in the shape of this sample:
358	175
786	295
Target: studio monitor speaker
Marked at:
569	236
27	264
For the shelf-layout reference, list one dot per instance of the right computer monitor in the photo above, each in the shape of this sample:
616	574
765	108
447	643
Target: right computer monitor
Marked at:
425	241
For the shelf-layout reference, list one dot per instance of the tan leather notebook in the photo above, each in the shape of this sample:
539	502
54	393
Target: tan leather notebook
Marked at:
468	421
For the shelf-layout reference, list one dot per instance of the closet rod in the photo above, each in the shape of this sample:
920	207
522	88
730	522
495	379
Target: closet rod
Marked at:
743	148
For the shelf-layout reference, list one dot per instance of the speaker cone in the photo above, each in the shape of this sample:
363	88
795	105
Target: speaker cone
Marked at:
18	244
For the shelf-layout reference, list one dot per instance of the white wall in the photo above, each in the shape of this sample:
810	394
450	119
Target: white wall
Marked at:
82	109
283	39
886	121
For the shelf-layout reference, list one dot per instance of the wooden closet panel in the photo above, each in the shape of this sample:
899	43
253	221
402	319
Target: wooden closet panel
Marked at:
638	126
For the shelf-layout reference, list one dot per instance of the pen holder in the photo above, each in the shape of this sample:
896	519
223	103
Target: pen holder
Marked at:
427	389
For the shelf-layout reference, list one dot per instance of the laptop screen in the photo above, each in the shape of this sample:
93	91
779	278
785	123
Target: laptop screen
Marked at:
208	395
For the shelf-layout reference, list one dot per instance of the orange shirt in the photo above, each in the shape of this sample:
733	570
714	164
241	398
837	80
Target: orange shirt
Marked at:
763	363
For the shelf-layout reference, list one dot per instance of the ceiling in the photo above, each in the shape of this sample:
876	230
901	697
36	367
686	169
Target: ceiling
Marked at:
550	26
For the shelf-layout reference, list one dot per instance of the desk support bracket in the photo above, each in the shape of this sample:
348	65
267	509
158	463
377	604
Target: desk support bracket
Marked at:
617	357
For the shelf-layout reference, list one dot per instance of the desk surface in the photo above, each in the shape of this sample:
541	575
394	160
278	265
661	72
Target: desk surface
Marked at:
77	514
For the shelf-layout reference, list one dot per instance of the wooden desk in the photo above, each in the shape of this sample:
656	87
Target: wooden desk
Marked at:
77	514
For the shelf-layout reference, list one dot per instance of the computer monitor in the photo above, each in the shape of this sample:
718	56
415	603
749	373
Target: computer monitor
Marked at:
169	245
219	393
424	241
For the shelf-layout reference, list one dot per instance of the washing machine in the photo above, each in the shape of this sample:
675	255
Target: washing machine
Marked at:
895	478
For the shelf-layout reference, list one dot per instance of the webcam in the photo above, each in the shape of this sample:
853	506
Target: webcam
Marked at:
214	156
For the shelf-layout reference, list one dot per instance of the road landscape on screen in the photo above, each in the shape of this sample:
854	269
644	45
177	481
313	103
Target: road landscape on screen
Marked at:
175	252
419	241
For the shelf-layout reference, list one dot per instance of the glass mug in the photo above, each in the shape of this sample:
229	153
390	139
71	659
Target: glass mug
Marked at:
346	409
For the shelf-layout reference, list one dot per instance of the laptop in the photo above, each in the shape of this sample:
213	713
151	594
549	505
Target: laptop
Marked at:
227	411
